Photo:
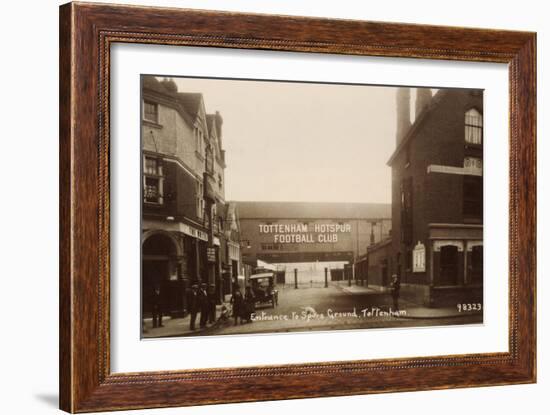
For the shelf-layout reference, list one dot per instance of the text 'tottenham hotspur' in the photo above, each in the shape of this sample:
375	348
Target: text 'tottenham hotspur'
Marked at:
303	233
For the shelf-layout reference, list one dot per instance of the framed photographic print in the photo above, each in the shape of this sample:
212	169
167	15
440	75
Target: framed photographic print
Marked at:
260	207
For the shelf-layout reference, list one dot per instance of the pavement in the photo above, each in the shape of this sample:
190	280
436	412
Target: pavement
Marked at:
318	308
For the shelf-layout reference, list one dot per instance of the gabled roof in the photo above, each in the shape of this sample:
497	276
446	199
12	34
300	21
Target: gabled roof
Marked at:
312	210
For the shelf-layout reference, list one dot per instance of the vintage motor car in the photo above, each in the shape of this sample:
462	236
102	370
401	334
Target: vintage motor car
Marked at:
263	287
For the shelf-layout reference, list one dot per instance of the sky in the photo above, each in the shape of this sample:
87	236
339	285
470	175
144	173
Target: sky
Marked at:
303	142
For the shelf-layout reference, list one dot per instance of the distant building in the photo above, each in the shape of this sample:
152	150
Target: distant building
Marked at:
180	142
373	267
437	196
293	232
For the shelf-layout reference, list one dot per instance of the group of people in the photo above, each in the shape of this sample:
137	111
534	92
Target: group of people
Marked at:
243	306
201	299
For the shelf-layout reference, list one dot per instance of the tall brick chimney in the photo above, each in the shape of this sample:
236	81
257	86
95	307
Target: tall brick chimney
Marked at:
423	98
403	101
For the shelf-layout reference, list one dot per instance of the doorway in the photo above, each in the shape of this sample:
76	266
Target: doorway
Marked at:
448	265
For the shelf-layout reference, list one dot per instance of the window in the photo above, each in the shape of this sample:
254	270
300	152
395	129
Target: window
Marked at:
200	200
152	190
473	197
153	180
199	138
473	165
473	126
220	183
150	111
151	166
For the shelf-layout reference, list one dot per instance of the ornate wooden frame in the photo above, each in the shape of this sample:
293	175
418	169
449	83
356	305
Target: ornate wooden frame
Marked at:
86	33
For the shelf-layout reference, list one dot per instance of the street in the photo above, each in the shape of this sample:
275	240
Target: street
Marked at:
340	307
336	307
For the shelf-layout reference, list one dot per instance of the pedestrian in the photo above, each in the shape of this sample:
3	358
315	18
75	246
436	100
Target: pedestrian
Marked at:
395	287
157	306
211	303
237	302
203	304
193	305
249	304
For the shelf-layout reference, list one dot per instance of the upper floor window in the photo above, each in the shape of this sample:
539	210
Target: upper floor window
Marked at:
153	181
200	200
152	166
199	140
150	111
473	126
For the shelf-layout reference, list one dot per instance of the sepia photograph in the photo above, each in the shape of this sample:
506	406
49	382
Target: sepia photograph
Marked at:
275	206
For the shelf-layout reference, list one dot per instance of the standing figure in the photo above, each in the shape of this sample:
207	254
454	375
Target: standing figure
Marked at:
394	288
237	301
211	303
249	304
157	307
193	305
203	303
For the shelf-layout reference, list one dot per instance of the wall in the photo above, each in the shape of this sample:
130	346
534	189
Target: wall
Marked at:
355	241
29	247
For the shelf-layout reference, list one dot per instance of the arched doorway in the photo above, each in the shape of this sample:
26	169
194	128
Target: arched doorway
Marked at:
160	274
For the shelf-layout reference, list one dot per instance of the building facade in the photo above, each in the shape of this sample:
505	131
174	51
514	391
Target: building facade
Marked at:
185	232
437	197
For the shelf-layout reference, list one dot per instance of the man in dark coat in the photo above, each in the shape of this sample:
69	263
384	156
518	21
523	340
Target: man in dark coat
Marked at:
249	304
237	301
157	306
395	288
193	305
203	302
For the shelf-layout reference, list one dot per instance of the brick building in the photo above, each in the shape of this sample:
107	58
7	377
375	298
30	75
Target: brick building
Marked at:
184	212
437	196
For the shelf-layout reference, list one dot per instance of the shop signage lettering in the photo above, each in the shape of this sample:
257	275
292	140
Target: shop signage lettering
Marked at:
303	233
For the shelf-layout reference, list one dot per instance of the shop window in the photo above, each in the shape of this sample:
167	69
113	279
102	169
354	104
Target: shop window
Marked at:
473	126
